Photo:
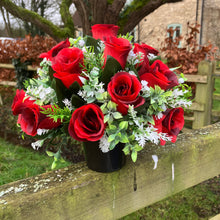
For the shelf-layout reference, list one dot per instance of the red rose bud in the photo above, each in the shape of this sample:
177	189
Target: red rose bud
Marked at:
101	31
20	102
55	50
161	76
68	78
87	123
171	123
118	48
68	60
28	119
124	90
145	49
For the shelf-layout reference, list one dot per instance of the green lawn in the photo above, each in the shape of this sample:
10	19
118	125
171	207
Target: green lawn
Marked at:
216	103
18	162
196	203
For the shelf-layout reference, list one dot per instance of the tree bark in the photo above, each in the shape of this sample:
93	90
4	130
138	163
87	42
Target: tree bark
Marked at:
30	16
91	12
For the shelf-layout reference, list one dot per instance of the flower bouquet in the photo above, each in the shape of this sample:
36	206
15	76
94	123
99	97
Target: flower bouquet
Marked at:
104	91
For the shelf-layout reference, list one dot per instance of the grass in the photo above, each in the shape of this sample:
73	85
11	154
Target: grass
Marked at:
216	103
18	162
198	202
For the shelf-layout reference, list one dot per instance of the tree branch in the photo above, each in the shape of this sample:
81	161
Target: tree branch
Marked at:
136	11
30	16
66	16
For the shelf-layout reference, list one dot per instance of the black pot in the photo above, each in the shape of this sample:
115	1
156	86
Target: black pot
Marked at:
104	162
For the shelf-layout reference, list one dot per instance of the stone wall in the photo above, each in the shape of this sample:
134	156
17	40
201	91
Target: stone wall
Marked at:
152	29
211	22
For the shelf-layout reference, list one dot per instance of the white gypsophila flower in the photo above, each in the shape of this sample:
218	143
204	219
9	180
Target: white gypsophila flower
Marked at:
36	145
131	56
163	106
159	115
153	135
132	73
84	50
177	92
181	80
151	56
104	144
81	42
68	104
95	71
42	131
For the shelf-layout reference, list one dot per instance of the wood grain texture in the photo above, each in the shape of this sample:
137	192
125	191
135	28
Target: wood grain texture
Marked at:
78	193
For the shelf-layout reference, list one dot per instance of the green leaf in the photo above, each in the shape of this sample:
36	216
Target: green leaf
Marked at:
49	153
126	149
123	125
77	101
111	105
138	147
75	87
124	139
106	118
117	115
90	41
134	156
54	164
112	66
111	137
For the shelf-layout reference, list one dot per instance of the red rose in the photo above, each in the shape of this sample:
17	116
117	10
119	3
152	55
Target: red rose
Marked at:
20	102
101	31
68	60
171	123
68	79
144	66
145	49
160	75
118	48
87	123
28	119
124	90
55	50
29	116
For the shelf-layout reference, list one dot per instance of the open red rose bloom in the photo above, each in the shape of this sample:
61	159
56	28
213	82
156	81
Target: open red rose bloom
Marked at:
103	88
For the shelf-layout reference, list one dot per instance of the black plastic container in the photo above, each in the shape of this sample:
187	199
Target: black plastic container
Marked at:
104	162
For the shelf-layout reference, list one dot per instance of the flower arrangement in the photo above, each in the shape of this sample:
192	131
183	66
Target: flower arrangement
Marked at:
103	88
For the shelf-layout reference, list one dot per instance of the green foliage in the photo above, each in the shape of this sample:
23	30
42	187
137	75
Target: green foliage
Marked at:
57	113
18	162
22	74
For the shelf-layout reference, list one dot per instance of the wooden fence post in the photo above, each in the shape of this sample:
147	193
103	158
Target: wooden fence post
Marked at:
203	96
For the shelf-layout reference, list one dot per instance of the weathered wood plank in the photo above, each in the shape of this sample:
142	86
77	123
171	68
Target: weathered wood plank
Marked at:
215	113
10	66
216	97
197	107
78	193
7	83
196	78
204	95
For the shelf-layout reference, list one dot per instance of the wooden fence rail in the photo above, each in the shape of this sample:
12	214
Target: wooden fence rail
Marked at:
78	193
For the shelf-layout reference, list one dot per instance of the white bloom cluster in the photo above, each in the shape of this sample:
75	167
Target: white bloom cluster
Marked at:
42	131
104	144
36	145
133	58
42	93
68	104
